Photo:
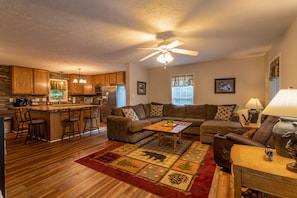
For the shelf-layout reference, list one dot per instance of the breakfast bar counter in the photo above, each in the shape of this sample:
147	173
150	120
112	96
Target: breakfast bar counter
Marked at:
54	115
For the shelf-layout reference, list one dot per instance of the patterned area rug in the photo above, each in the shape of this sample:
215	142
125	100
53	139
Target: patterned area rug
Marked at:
186	171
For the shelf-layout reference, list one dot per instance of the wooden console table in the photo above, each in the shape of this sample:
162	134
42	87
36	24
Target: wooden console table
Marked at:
251	169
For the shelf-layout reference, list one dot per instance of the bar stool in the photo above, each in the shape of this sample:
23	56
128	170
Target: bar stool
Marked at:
71	117
23	126
92	113
34	131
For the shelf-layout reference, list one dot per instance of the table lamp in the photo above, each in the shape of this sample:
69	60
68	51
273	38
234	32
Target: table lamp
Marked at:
254	106
284	105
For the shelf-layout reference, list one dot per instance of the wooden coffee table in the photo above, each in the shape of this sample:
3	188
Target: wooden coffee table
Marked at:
163	129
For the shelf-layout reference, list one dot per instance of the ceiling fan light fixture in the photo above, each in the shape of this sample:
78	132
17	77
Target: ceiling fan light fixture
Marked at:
165	58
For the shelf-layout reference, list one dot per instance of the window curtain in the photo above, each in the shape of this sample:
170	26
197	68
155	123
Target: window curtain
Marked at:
182	81
274	69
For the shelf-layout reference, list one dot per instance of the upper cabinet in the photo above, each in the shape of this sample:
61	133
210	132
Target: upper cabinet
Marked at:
116	78
121	79
29	81
82	89
22	80
41	82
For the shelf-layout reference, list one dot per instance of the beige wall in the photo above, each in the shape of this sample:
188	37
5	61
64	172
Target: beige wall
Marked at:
136	73
286	49
249	74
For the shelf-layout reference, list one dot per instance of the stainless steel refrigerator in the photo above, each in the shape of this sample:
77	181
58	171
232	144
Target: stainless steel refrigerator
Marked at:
112	96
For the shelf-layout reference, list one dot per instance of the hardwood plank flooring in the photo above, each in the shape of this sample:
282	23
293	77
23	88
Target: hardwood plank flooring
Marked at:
48	170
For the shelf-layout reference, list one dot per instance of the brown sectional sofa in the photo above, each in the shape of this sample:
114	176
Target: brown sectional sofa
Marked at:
202	117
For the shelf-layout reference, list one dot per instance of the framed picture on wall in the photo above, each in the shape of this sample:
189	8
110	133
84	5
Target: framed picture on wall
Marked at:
224	85
141	88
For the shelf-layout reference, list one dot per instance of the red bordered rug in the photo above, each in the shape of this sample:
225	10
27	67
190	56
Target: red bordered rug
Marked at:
186	171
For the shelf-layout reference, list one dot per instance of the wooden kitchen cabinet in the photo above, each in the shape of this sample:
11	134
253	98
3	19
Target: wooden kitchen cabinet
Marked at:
81	89
75	88
99	80
89	87
120	78
22	80
41	82
112	78
30	81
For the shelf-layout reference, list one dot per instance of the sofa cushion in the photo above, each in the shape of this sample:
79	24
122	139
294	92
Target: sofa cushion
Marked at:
195	122
211	111
176	111
224	112
154	119
139	110
173	118
196	111
264	132
138	125
156	110
130	113
116	111
147	110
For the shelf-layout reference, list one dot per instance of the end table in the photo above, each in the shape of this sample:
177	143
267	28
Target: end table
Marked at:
251	169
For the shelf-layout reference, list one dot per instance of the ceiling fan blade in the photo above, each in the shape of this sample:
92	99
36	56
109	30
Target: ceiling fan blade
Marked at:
175	44
150	55
149	48
186	52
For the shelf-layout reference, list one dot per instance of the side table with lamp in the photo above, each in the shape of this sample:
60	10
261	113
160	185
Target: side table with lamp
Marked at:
254	105
284	105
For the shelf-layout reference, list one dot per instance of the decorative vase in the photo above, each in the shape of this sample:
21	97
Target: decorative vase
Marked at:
284	125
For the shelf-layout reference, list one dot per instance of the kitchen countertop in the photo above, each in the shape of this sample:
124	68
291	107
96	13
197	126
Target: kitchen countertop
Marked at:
57	107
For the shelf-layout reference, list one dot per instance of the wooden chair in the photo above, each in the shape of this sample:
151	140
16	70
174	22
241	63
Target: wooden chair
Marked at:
70	120
91	119
34	131
22	125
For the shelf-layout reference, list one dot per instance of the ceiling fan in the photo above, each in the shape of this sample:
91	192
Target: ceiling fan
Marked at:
164	50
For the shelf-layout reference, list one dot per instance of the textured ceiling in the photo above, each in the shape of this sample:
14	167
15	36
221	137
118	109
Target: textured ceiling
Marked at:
104	36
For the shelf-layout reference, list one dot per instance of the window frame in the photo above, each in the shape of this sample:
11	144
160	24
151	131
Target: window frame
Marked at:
193	84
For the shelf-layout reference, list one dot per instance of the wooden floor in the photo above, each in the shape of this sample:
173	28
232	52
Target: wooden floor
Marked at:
48	170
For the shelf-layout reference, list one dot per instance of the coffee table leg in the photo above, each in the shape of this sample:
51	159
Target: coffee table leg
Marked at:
179	138
159	138
174	141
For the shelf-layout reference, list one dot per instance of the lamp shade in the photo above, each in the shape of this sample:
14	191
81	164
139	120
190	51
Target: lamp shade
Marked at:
254	103
284	104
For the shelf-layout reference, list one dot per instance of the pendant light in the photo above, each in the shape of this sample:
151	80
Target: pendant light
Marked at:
79	80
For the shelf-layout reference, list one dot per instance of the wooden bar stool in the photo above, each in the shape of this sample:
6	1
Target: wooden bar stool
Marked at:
34	131
23	126
91	119
70	119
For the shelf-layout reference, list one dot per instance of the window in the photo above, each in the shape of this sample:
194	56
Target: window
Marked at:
58	90
182	89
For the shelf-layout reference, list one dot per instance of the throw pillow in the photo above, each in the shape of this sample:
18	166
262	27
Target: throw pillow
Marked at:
130	113
156	110
224	112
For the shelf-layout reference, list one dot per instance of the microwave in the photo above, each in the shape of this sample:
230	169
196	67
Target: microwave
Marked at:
88	100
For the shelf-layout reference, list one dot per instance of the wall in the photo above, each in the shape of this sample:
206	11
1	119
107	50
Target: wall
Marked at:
136	73
286	48
249	74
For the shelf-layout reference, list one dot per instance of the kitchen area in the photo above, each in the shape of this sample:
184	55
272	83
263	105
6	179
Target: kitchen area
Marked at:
26	87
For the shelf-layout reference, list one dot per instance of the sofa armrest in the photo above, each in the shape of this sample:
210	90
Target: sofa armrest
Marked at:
118	127
222	145
239	139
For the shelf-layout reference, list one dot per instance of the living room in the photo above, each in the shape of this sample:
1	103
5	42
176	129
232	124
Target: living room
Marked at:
251	72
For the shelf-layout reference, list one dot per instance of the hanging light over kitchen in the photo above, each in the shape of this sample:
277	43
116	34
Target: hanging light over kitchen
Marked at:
79	79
